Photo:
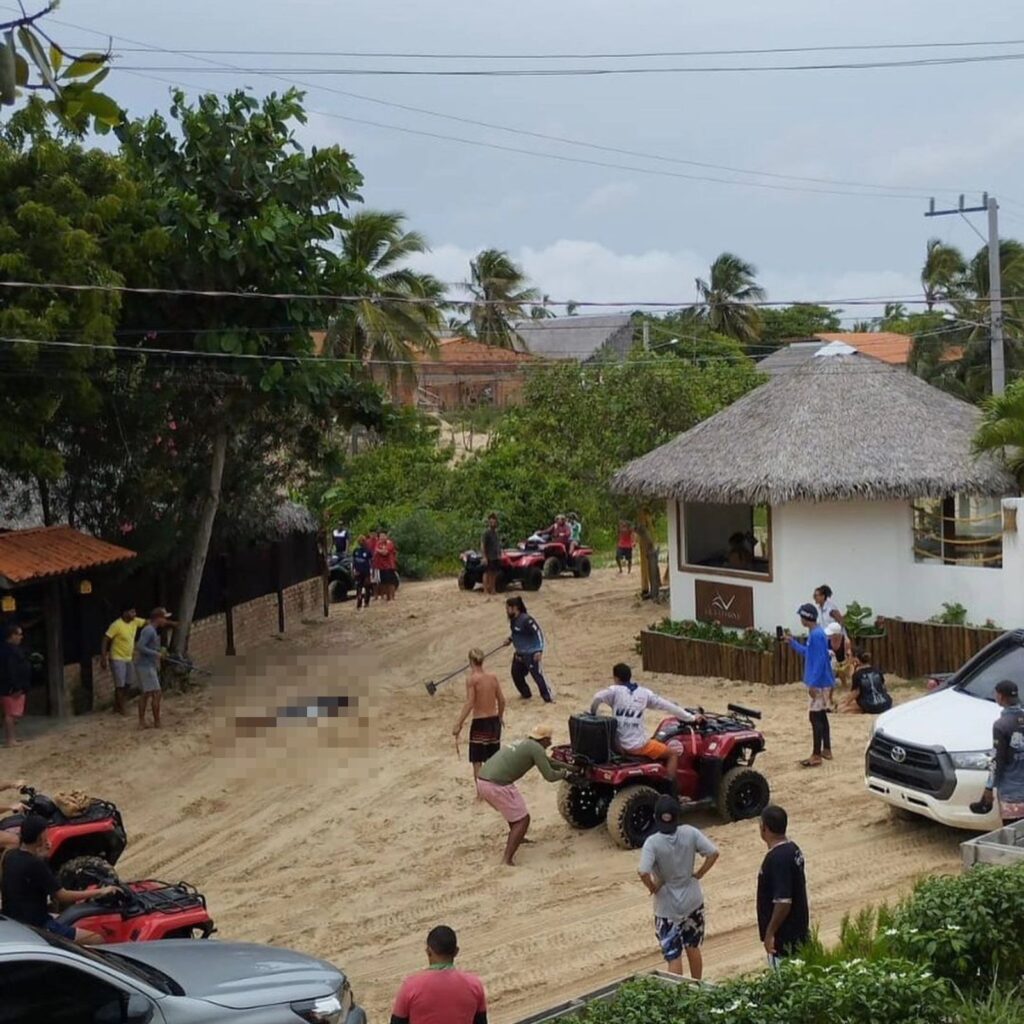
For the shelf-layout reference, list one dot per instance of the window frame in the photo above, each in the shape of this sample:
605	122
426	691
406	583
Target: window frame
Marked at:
710	570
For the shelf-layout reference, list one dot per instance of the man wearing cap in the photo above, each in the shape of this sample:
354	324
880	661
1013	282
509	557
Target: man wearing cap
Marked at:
666	869
1007	778
498	777
819	680
147	670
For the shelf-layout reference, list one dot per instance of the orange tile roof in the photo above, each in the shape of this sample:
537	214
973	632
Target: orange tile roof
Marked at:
47	551
467	350
888	346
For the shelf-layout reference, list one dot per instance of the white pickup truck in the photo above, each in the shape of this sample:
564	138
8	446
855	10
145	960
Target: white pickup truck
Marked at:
931	755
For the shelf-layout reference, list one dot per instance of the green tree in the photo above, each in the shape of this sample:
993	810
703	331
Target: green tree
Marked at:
245	210
500	297
402	312
790	323
944	266
1002	428
31	60
727	299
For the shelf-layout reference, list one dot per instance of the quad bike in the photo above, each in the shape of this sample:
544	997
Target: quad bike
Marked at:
143	911
557	557
517	566
715	771
339	571
82	847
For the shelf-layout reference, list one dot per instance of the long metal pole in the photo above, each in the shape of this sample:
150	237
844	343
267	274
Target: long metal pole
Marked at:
995	296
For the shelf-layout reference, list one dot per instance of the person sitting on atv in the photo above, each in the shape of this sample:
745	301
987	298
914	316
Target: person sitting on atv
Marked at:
27	883
560	532
628	700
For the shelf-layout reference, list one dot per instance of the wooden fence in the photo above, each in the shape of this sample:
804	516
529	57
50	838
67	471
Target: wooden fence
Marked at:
907	649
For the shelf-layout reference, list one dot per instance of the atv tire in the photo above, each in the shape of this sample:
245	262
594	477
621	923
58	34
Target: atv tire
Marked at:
83	872
552	567
631	816
339	591
501	582
465	583
744	793
533	579
582	568
582	807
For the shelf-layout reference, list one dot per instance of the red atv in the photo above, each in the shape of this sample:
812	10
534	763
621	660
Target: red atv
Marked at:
715	771
517	566
83	847
143	912
557	559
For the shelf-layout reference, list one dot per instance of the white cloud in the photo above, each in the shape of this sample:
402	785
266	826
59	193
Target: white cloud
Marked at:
606	197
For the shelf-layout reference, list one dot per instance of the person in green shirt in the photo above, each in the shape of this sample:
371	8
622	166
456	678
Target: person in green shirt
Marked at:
498	777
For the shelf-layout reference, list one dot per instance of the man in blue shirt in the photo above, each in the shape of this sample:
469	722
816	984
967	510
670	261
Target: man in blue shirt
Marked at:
528	641
819	680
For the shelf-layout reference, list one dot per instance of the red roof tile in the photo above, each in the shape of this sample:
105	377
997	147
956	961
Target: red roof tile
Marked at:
46	551
467	350
888	346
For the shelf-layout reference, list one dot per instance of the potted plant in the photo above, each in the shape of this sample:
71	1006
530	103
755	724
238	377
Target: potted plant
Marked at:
860	622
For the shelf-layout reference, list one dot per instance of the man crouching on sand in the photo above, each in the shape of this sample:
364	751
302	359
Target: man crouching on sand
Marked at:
499	775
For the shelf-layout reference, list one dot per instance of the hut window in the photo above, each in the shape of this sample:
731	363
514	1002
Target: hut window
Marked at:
959	530
725	538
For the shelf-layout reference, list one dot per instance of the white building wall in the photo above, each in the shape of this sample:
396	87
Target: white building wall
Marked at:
864	552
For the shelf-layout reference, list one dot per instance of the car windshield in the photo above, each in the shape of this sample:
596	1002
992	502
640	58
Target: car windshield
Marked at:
1005	664
141	972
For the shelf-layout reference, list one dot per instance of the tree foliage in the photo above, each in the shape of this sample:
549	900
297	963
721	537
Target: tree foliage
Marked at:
1002	428
500	297
727	299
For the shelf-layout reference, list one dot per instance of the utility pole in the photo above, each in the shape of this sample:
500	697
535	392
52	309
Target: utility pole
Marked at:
995	290
647	335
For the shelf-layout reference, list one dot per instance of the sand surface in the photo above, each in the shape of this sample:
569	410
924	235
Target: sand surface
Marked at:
350	838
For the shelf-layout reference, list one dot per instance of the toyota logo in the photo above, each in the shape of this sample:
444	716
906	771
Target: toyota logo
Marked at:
898	754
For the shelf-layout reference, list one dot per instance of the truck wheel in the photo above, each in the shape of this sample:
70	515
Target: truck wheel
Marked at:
465	583
533	579
83	872
552	568
582	806
744	793
582	569
631	815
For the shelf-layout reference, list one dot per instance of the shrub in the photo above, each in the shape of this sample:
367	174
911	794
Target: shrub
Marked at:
749	639
429	542
952	614
859	622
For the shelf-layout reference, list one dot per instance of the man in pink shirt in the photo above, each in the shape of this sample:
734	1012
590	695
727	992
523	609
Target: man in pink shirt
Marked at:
441	994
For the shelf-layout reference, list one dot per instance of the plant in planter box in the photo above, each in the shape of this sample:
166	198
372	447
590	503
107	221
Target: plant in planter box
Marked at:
860	622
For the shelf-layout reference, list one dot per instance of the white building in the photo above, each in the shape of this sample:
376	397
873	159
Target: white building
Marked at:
846	472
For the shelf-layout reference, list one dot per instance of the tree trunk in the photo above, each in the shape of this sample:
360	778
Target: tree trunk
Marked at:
44	501
200	545
650	583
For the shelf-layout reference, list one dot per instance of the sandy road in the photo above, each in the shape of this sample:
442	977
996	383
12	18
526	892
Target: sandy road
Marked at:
350	838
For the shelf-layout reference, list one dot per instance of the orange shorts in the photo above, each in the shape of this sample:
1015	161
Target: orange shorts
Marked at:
653	749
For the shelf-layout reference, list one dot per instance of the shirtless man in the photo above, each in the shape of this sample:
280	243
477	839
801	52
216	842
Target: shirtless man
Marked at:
486	702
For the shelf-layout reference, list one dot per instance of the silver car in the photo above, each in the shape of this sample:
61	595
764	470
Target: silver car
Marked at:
43	978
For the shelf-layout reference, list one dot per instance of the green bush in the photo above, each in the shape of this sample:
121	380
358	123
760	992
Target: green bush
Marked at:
428	542
952	614
859	621
749	639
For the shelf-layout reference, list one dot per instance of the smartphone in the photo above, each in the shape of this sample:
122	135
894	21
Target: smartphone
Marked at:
779	633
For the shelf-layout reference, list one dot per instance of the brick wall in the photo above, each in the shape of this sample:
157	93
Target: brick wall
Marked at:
255	622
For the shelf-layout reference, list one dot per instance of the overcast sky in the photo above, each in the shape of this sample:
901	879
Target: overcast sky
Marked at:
600	233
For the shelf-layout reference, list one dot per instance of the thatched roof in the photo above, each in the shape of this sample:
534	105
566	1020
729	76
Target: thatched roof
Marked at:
838	428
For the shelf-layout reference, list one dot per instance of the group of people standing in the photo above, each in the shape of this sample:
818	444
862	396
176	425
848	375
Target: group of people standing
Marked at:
829	657
375	568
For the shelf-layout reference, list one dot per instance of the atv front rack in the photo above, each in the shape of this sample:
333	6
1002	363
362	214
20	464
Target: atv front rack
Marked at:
164	898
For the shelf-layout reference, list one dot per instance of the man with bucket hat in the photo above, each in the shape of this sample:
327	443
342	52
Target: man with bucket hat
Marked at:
667	870
498	777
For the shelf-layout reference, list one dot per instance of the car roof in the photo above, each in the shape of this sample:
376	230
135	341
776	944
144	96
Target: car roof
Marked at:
13	933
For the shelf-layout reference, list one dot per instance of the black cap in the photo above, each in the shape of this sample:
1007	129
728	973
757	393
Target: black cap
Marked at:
666	813
1007	688
808	612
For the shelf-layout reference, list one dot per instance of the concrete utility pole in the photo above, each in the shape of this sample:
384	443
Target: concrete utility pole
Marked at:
995	290
647	335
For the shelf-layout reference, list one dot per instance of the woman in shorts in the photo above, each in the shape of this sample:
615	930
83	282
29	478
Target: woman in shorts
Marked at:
15	679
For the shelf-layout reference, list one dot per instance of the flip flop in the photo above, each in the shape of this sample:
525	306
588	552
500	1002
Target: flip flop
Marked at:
810	764
827	755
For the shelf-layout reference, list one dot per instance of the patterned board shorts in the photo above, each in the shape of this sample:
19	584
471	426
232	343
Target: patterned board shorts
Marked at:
675	936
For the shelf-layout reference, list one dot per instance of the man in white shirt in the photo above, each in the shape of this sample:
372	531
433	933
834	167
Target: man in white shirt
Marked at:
629	701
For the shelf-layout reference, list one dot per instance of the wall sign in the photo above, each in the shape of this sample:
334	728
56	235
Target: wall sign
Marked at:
724	603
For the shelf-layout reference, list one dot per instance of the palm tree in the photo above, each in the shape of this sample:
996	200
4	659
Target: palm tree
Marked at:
500	297
944	266
1002	428
726	301
542	310
386	326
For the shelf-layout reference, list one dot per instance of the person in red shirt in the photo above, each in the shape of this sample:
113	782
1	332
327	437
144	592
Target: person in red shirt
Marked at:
624	546
385	561
441	994
560	531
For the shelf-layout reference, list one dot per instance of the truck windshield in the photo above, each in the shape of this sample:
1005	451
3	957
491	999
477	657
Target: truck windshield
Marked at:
1006	664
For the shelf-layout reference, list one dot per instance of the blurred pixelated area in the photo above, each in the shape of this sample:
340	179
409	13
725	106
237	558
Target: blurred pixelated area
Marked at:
302	707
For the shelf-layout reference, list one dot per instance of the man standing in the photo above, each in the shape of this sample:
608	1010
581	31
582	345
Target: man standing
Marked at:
148	668
28	884
441	994
783	916
819	680
496	783
118	648
491	546
385	561
1007	777
629	701
624	545
486	703
666	868
361	569
15	680
528	640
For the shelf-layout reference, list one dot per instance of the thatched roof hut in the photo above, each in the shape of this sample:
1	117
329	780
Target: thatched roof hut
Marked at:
841	427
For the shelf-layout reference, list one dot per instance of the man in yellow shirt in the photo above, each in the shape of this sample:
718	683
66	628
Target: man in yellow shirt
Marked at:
118	650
